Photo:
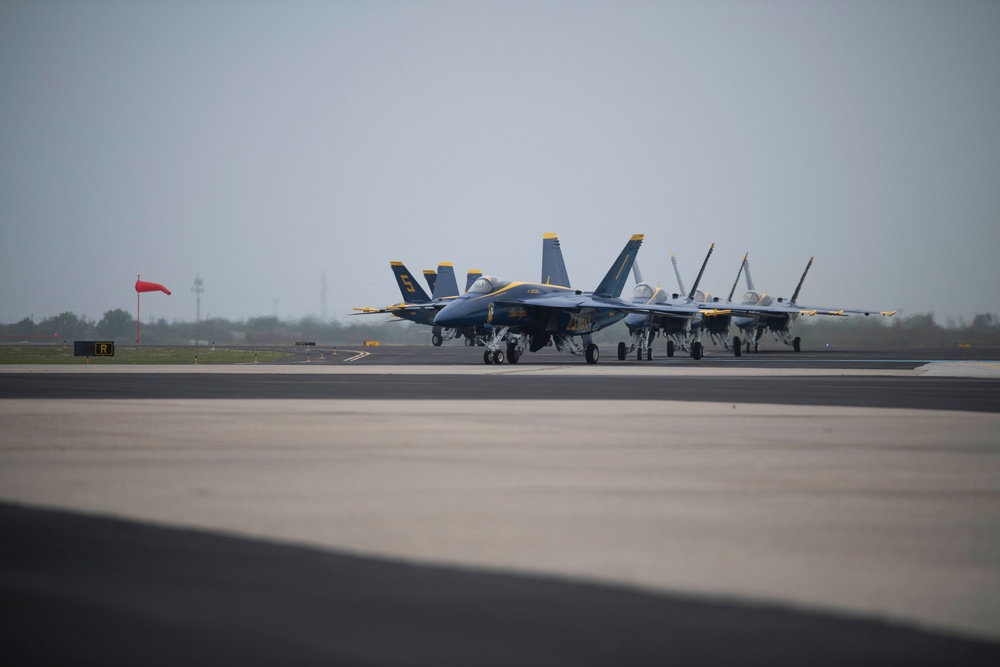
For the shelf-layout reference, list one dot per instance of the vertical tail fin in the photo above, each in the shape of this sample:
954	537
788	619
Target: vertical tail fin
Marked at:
746	270
694	288
680	283
431	277
798	287
614	281
738	274
636	273
408	287
471	277
553	266
446	283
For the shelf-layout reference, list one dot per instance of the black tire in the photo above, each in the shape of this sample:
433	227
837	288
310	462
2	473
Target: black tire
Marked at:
512	354
670	348
436	340
696	351
621	351
593	354
487	357
469	342
638	354
737	346
797	344
649	353
498	357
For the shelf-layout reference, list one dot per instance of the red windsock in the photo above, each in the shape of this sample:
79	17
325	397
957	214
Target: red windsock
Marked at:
143	286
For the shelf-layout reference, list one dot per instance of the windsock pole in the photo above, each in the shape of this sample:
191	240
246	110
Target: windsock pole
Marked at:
138	319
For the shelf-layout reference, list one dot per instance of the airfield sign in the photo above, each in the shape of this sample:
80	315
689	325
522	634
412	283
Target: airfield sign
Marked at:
93	348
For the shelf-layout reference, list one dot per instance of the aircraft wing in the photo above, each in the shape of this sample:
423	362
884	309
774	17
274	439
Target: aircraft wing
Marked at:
574	303
405	307
819	310
798	309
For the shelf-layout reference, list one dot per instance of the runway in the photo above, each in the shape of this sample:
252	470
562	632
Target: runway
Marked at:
823	510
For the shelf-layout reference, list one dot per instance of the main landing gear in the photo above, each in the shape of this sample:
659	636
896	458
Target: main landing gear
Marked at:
513	354
493	357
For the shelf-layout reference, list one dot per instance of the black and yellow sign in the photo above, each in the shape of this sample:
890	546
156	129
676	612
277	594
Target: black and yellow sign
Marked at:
93	348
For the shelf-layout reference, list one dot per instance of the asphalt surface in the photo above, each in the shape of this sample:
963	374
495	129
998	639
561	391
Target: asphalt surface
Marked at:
92	591
825	377
81	588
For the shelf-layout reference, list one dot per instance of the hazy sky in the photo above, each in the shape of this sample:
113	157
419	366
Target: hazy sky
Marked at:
265	144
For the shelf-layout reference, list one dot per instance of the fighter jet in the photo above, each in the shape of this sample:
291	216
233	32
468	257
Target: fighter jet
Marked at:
553	273
758	313
416	305
681	329
531	315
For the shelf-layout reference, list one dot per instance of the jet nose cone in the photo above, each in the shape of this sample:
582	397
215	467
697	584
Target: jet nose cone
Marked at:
635	319
452	316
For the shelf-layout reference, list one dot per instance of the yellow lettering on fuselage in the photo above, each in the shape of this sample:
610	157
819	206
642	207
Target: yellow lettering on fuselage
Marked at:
579	322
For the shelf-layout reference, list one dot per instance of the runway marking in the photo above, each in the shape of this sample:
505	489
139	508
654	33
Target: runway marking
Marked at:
359	355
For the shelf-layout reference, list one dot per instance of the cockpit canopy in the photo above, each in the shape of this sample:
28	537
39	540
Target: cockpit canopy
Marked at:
645	293
756	298
642	291
487	285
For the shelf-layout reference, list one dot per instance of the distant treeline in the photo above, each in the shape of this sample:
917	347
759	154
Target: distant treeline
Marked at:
120	326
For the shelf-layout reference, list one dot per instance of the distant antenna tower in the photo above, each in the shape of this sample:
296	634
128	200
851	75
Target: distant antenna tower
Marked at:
322	296
198	289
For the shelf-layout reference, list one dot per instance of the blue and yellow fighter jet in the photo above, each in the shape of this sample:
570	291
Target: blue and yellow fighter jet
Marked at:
416	305
528	316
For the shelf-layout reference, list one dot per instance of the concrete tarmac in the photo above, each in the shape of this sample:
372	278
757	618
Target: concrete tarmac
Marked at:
878	525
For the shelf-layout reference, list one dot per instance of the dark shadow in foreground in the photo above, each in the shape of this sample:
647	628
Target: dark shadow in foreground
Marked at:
84	590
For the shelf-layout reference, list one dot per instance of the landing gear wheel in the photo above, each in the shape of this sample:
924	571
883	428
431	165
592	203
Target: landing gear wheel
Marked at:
487	357
512	354
670	348
621	351
638	354
649	354
756	347
737	346
498	357
469	342
593	354
696	350
797	344
436	340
